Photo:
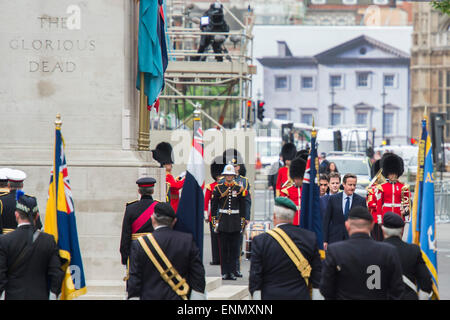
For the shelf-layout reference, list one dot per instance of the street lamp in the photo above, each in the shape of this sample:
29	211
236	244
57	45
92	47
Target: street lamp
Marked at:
332	103
383	95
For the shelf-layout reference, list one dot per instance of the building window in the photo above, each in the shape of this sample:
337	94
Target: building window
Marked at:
349	1
388	80
335	118
336	81
362	80
282	114
448	79
388	123
361	118
307	118
281	82
307	82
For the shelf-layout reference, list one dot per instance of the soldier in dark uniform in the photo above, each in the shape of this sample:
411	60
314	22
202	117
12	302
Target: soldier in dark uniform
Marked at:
417	278
273	274
30	267
234	157
180	251
361	268
228	203
136	220
8	201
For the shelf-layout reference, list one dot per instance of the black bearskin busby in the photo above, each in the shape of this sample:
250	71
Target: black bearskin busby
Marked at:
375	168
302	154
216	167
392	163
297	168
163	153
232	156
288	151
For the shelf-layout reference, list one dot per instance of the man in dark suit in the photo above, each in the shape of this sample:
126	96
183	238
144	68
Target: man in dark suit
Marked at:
273	275
136	220
338	207
30	267
361	268
146	281
415	272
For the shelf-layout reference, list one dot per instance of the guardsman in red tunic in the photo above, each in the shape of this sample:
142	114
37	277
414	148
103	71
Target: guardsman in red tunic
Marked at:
393	195
216	171
163	154
288	152
293	187
372	201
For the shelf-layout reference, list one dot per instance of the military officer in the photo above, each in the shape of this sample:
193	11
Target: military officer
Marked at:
234	157
4	189
372	200
166	250
361	268
288	152
274	275
30	266
16	179
292	189
228	204
216	169
136	220
392	195
163	154
417	278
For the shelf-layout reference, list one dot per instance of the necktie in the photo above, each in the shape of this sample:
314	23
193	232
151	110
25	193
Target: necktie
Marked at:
347	207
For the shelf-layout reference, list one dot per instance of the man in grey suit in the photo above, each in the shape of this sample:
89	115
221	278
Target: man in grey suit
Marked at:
338	207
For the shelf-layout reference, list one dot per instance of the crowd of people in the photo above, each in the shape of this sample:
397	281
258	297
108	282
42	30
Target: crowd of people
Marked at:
363	254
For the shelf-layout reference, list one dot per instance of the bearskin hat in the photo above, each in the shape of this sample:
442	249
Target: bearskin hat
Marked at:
163	153
302	154
288	151
375	168
232	156
216	167
392	163
242	170
297	168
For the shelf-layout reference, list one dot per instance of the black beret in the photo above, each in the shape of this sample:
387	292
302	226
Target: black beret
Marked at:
360	212
25	203
164	209
393	220
146	182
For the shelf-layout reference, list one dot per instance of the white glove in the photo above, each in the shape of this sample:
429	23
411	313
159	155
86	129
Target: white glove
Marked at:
2	297
52	296
424	295
195	295
134	298
206	216
182	175
316	295
256	295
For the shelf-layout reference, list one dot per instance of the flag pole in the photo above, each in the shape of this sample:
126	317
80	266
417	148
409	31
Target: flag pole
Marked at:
144	119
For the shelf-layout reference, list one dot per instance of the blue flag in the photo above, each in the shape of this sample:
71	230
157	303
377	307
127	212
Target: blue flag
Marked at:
190	209
61	223
427	219
310	215
151	49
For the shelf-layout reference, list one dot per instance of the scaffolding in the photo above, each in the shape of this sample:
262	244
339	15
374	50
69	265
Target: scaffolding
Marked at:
187	83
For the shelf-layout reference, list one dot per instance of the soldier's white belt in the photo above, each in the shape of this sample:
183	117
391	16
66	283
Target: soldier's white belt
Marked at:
392	205
228	211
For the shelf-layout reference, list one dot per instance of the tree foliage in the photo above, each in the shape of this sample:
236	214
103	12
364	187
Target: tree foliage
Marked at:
441	5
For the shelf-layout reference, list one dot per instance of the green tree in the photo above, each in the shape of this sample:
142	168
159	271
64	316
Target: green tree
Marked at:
442	5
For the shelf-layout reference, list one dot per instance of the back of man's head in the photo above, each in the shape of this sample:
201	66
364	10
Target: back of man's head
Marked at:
359	220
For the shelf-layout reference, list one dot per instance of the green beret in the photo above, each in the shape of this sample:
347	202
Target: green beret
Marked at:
285	203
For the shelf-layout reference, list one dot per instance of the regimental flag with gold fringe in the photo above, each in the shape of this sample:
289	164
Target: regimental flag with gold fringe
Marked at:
422	230
61	223
310	215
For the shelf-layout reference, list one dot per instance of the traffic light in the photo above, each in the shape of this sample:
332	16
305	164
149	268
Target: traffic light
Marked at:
261	110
